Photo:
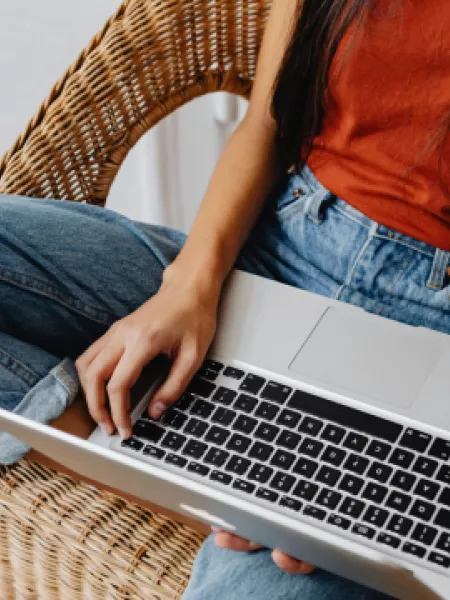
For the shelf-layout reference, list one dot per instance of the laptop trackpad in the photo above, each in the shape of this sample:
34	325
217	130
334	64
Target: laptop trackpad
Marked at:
351	351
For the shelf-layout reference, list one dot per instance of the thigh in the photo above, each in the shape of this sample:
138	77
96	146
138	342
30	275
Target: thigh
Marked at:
68	271
223	574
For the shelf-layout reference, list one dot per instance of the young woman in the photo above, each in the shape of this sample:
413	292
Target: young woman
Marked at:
339	186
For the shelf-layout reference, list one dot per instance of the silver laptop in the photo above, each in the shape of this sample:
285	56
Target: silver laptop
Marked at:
313	427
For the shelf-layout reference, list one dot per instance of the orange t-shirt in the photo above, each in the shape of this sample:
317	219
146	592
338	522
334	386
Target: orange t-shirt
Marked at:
390	89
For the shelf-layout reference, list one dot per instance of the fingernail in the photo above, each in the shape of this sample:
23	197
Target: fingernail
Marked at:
157	410
106	428
124	432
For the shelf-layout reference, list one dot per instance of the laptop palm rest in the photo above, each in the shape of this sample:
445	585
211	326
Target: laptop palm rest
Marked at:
378	359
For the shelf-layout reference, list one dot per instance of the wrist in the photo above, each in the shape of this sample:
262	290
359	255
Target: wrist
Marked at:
202	274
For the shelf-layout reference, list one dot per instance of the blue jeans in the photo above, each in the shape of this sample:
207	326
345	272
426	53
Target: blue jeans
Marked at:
68	271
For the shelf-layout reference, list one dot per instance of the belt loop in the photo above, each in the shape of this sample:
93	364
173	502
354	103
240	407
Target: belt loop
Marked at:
438	270
316	203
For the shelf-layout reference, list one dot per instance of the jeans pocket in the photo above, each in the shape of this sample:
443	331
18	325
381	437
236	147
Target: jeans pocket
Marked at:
290	195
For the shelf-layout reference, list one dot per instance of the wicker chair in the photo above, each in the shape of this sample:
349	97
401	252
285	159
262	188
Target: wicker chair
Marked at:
61	538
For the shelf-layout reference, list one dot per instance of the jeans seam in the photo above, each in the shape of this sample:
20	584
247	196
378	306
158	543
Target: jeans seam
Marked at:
26	374
393	284
44	289
370	236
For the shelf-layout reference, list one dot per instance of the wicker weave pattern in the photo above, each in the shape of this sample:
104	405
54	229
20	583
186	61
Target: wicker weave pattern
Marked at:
61	539
150	58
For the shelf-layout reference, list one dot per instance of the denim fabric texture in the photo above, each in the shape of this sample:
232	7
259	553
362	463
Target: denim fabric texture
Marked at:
68	271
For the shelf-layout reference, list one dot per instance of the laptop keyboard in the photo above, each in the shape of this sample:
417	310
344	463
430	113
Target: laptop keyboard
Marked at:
348	469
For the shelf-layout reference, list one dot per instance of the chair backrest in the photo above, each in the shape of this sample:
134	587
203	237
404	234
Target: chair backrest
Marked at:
150	58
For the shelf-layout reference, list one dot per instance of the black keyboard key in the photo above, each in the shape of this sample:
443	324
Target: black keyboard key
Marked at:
329	498
388	540
356	464
252	383
198	469
133	444
260	473
311	447
355	441
333	433
276	392
234	373
195	449
148	431
310	426
444	474
237	465
245	403
440	449
380	472
290	503
333	455
305	467
345	416
214	365
177	461
424	534
288	439
185	402
282	482
224	416
220	477
243	486
260	451
339	521
398	501
266	432
267	411
201	408
375	492
439	559
201	387
363	530
352	508
245	424
153	451
174	418
376	516
443	542
351	484
314	512
196	427
224	395
217	435
415	440
422	510
282	459
328	475
444	498
427	489
403	480
216	457
207	374
401	458
172	440
425	466
266	494
305	490
238	443
400	525
378	449
443	518
288	418
414	549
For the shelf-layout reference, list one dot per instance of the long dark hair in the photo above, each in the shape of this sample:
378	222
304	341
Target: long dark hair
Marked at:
300	93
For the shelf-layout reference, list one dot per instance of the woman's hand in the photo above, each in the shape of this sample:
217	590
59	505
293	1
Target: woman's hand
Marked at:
291	565
179	321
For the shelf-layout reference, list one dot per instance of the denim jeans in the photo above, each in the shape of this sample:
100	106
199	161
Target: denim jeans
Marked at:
68	271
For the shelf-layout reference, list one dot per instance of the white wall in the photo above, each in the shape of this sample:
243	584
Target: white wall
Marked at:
166	174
